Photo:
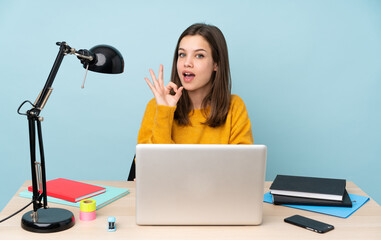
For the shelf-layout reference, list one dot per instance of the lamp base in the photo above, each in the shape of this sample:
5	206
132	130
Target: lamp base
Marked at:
49	220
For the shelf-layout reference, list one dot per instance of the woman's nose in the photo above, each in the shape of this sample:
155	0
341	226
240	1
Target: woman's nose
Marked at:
188	62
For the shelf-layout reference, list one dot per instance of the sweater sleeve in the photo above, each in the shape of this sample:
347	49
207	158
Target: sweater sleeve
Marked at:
157	123
241	127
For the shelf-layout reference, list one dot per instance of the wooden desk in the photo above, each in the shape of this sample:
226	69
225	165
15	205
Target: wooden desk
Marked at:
363	224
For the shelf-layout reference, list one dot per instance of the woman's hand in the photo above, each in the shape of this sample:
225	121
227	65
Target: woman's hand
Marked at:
162	93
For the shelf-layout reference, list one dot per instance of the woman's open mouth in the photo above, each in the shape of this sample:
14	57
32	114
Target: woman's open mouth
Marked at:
188	76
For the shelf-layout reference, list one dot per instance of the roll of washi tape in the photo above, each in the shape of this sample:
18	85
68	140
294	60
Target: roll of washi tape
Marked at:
87	205
86	216
87	210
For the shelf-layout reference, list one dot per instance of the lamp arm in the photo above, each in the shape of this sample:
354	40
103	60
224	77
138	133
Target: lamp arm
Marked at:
45	93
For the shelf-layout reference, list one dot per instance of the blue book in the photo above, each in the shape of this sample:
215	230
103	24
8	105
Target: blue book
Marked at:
111	194
343	212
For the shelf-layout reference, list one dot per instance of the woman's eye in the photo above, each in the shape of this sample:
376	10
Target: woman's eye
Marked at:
199	56
181	55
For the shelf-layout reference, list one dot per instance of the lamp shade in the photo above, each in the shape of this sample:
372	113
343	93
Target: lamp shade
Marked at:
107	60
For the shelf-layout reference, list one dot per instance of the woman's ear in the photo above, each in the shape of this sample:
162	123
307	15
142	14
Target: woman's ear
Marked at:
215	67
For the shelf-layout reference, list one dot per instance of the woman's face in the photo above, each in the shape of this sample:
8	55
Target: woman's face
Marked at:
195	64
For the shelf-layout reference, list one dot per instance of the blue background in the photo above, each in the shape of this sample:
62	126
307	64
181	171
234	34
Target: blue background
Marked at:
308	71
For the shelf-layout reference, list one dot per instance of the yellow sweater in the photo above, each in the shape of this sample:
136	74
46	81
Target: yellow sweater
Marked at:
159	126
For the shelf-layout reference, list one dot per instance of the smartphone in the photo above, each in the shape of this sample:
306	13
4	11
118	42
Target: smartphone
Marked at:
309	224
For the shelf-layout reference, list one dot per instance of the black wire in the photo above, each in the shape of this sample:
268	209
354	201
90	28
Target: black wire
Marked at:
16	212
22	104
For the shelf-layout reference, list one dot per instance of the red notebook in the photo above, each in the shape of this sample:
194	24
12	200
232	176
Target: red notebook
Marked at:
70	190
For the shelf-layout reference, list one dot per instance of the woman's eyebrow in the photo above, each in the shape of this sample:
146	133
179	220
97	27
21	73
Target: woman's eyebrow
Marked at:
197	50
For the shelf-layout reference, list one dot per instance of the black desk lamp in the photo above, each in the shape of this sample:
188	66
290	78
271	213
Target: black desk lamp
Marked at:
101	58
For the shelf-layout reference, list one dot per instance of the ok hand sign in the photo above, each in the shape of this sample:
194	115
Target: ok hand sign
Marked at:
162	93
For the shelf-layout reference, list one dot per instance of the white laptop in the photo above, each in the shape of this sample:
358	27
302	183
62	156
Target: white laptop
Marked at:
199	184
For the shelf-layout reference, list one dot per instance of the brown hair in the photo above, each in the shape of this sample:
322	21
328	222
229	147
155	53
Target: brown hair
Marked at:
219	96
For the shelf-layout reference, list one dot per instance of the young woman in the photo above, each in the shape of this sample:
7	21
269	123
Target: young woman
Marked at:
196	106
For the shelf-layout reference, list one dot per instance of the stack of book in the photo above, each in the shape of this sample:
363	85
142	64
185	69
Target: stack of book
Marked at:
297	190
69	192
